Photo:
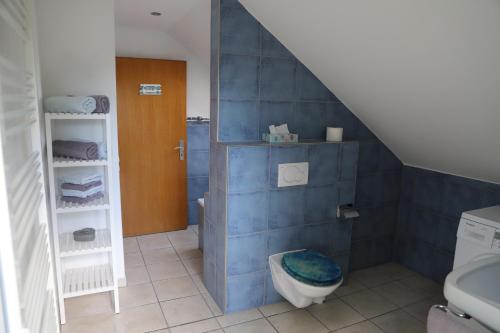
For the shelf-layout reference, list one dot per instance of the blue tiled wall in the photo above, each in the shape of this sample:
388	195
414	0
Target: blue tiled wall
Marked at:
197	165
262	219
429	212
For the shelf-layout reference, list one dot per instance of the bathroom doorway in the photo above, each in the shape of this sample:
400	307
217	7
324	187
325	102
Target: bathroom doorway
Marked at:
151	104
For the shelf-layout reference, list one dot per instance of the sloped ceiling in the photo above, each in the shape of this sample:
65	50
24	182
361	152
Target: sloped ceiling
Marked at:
424	75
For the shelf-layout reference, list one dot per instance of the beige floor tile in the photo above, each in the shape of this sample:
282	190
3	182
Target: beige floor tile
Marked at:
298	321
212	304
420	310
399	294
399	321
363	327
395	271
190	251
350	286
130	244
194	266
198	280
371	277
183	238
216	331
208	325
88	305
276	308
422	285
137	295
153	241
137	275
140	319
159	255
102	323
335	314
185	310
175	288
369	304
166	330
193	228
133	259
166	270
256	326
238	317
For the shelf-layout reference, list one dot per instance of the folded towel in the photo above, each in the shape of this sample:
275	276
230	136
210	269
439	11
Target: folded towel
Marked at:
71	104
76	149
102	103
83	200
80	187
80	177
82	194
101	147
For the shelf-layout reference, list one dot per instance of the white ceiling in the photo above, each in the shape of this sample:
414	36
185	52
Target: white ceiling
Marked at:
424	75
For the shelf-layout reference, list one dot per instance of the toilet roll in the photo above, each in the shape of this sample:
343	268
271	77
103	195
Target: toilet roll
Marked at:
334	134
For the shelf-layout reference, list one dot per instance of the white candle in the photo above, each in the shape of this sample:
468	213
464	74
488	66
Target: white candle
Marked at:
334	134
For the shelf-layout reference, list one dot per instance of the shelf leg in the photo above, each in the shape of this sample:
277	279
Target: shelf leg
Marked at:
116	299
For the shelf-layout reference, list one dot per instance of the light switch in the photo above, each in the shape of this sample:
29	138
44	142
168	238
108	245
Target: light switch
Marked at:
293	174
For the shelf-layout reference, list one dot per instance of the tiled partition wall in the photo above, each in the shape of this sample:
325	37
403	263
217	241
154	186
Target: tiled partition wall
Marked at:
197	165
256	81
260	219
430	208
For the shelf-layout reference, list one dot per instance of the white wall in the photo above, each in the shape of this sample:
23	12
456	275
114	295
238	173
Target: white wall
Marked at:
424	75
156	44
76	41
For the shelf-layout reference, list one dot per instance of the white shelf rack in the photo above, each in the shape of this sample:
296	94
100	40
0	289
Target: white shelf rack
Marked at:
75	276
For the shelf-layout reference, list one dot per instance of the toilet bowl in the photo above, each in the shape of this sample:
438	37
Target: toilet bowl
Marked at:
298	293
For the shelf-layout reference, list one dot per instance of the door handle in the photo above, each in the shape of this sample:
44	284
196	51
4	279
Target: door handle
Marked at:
180	148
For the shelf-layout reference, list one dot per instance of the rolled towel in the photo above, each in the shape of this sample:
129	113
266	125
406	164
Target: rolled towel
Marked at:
82	194
71	104
102	103
75	149
80	177
82	200
81	187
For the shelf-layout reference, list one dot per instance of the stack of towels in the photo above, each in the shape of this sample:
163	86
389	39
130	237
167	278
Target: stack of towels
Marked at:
81	186
77	104
79	149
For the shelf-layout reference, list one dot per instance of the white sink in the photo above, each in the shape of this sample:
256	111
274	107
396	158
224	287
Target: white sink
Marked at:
475	289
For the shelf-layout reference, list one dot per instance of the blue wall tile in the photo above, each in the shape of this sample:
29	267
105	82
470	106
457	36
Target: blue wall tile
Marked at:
240	32
277	79
246	254
238	77
286	239
271	47
276	113
272	296
369	153
311	118
323	164
285	154
197	186
338	115
308	87
239	121
249	168
349	161
247	212
321	204
198	136
286	207
459	196
198	163
245	291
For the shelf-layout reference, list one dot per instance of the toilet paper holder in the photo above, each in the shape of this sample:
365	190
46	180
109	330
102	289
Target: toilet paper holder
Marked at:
347	212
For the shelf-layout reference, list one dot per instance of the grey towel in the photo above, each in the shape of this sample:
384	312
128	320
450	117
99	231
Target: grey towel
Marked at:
102	103
81	187
83	200
76	149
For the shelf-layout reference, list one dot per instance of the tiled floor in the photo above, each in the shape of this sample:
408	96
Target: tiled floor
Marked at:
165	294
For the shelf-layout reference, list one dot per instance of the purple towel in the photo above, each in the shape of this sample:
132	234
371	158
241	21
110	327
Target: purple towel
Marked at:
83	187
83	200
75	149
101	103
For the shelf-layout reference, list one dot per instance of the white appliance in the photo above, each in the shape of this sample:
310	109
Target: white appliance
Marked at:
478	235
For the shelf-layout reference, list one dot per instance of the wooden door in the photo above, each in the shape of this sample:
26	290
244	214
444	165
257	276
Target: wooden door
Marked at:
152	175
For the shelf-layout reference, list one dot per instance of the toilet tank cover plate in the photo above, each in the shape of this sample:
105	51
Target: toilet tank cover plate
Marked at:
312	268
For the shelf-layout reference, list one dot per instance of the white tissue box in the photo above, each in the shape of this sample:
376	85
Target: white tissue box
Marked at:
280	138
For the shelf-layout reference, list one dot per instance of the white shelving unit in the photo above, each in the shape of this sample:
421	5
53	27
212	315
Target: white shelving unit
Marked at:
78	272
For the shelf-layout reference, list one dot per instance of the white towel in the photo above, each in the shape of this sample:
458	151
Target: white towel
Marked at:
82	194
71	104
80	177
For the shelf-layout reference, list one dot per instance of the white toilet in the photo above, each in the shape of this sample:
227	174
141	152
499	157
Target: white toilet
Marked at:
296	292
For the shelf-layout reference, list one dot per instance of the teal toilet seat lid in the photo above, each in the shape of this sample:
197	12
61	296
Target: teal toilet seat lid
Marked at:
312	268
